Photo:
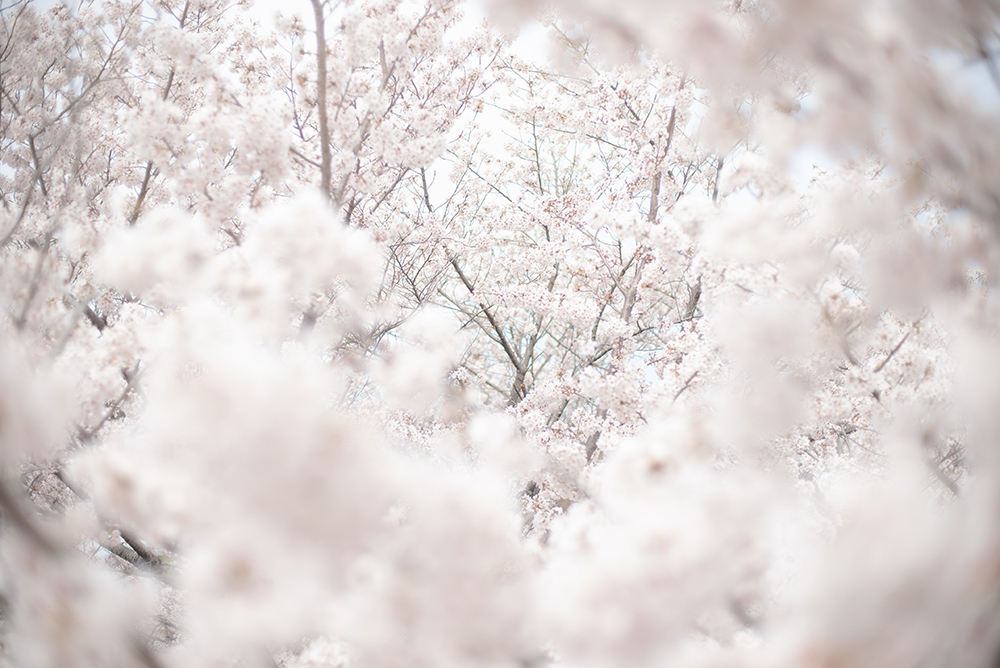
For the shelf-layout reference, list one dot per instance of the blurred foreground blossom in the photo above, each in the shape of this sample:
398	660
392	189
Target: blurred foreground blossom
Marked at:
365	339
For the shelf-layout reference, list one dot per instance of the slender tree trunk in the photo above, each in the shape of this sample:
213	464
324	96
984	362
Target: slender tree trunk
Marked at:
321	82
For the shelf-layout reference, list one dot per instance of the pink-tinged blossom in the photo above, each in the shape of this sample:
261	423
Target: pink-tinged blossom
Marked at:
370	339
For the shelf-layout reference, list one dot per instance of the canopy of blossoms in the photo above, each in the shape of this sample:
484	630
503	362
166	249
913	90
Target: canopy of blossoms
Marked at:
377	335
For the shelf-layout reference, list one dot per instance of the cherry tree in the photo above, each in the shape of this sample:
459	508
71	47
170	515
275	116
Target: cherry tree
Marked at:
367	340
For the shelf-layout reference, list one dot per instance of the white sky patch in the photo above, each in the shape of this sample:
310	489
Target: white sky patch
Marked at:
972	78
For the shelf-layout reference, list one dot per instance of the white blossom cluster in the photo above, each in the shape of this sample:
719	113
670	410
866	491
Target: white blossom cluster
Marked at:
365	339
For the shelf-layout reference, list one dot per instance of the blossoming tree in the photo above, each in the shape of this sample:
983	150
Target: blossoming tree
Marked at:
367	339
